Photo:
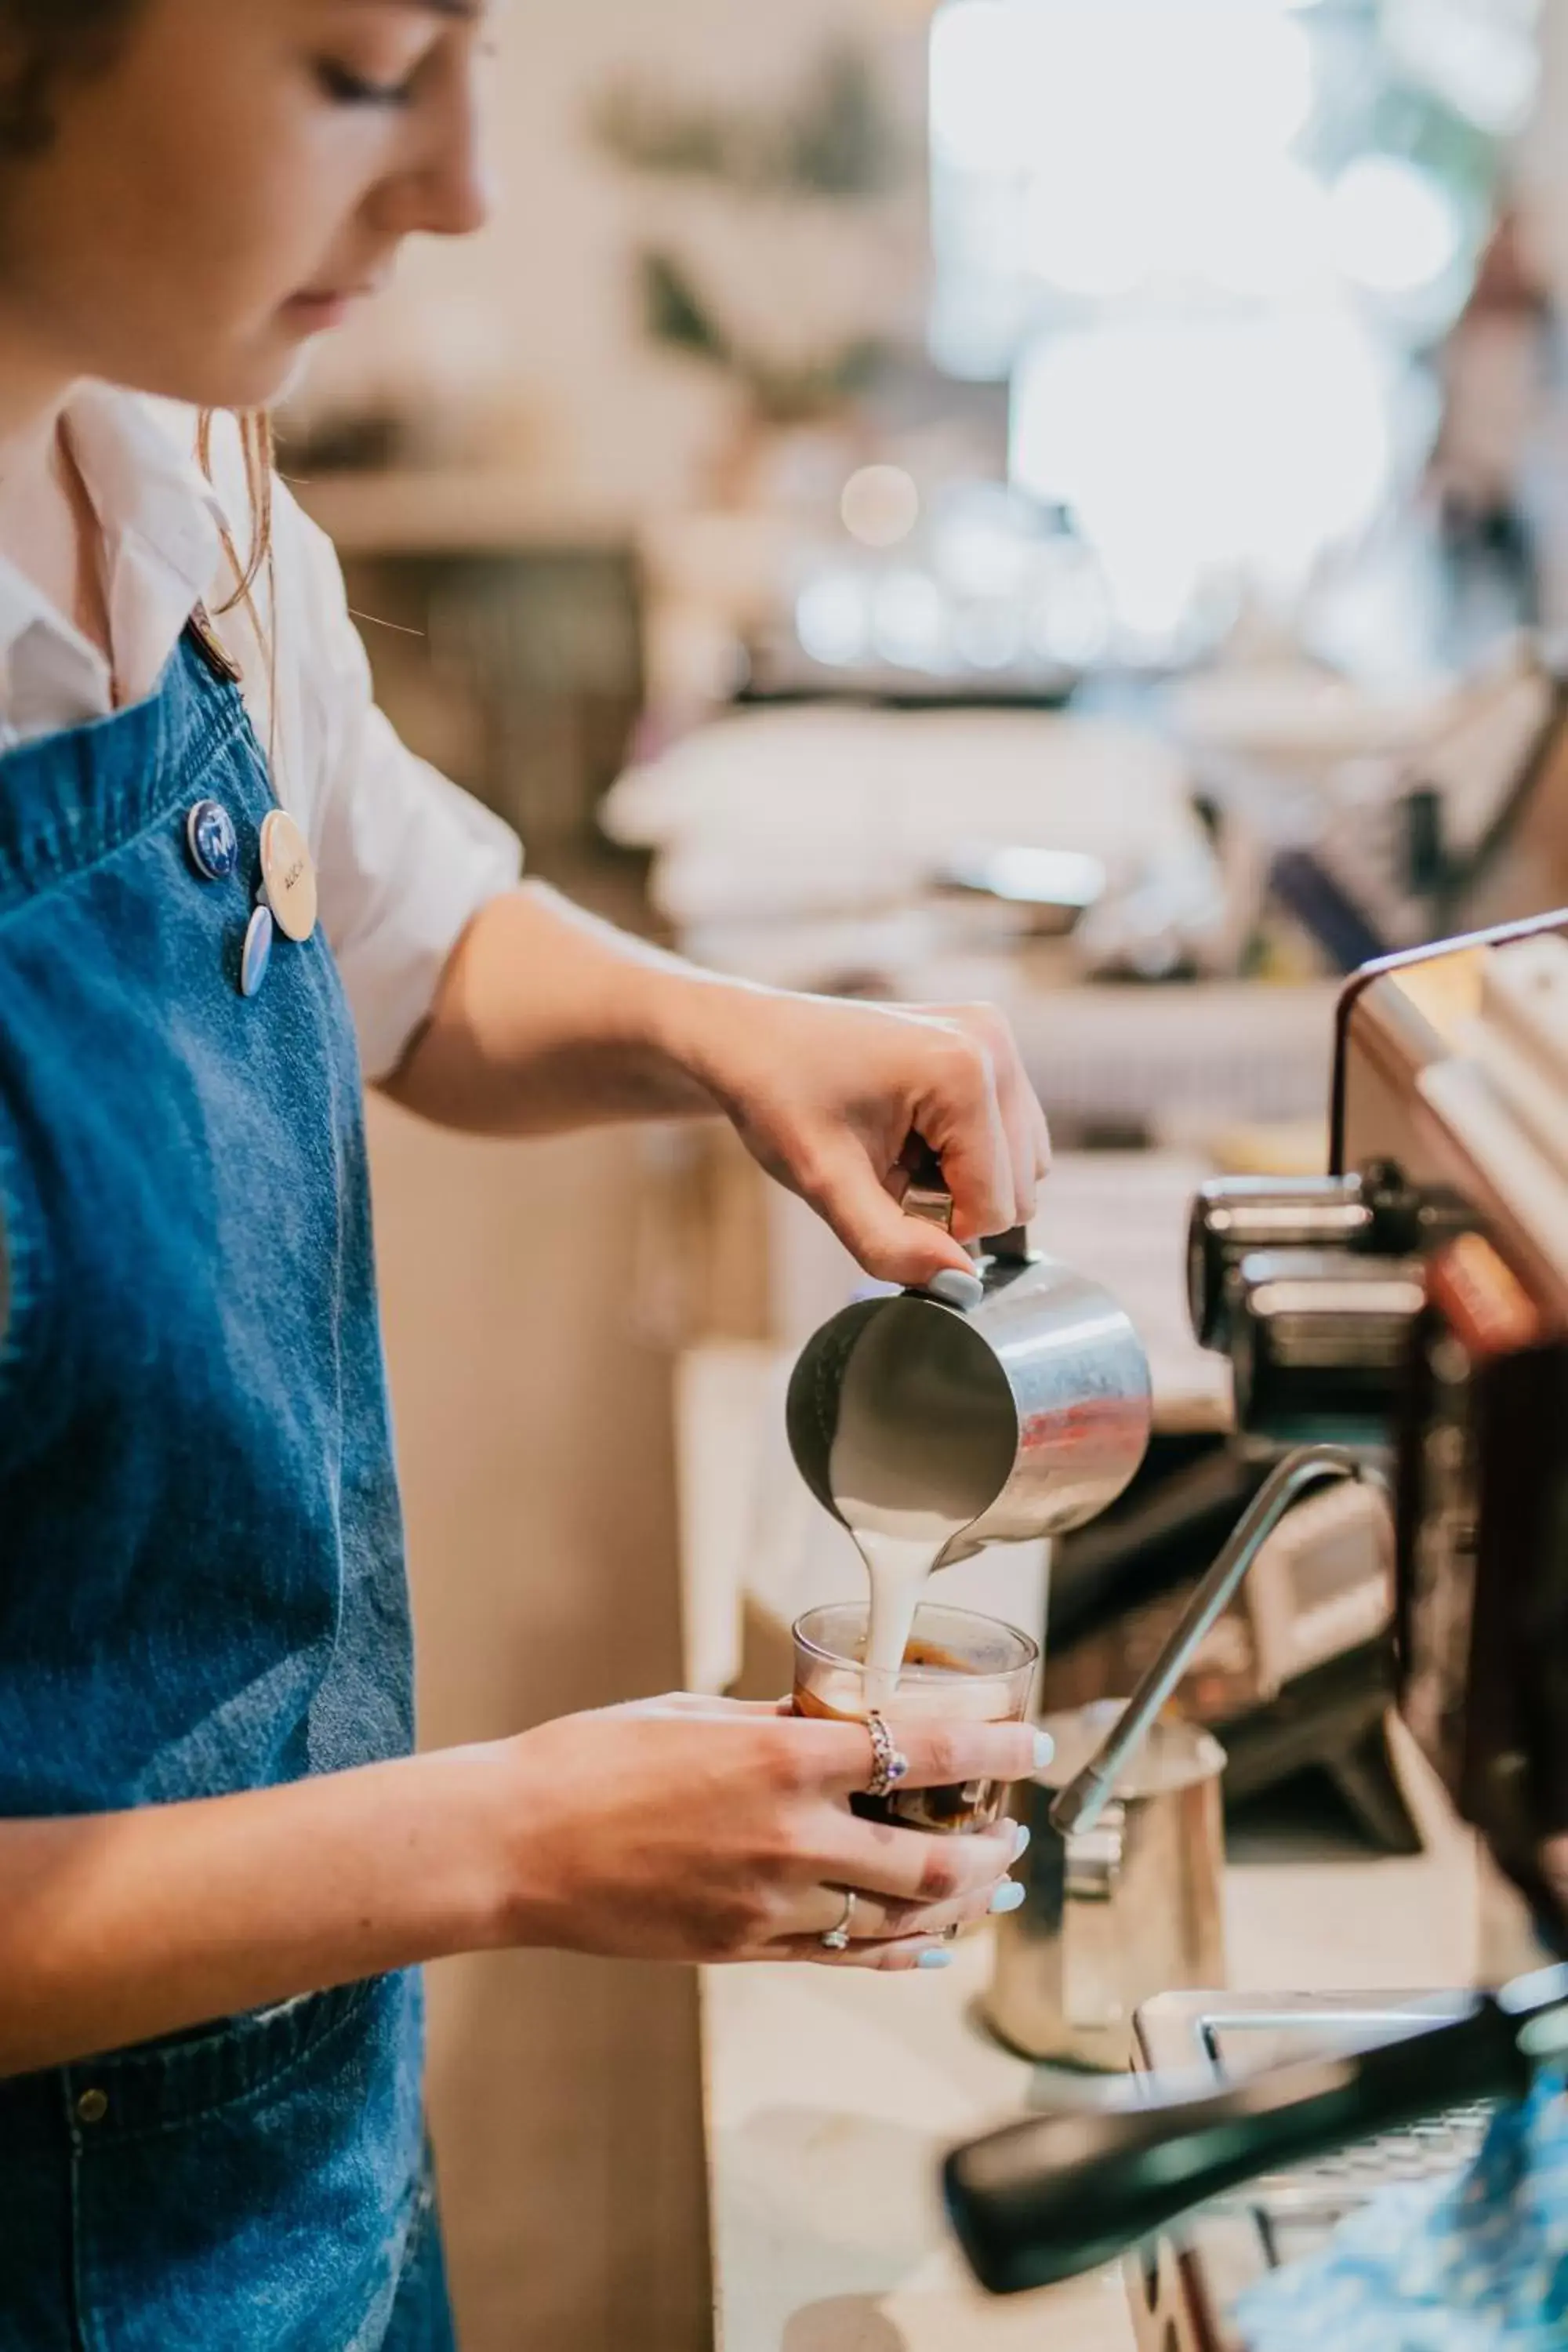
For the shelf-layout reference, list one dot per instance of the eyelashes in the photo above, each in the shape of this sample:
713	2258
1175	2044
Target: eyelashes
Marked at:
347	89
342	87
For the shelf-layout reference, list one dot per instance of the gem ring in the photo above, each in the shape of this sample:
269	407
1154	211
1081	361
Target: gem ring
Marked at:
888	1764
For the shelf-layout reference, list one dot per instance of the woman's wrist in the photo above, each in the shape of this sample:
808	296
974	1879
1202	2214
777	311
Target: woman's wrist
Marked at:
685	1016
497	1808
459	1825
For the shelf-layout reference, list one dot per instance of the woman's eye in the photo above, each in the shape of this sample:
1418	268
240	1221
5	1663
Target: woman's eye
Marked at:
345	88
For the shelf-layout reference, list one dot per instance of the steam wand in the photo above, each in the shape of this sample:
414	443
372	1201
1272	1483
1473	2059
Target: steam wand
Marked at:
1080	1803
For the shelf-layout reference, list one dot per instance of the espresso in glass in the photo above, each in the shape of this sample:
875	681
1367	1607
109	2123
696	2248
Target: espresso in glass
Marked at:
958	1668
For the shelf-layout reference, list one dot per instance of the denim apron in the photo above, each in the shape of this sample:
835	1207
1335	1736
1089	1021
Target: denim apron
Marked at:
202	1583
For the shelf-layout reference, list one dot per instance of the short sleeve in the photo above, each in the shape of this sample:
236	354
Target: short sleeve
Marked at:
405	858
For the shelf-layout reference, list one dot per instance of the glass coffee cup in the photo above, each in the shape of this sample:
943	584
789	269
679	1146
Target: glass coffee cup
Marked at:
958	1668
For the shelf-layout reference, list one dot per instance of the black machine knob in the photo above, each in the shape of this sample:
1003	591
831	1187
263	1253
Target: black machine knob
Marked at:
1321	1340
1374	1210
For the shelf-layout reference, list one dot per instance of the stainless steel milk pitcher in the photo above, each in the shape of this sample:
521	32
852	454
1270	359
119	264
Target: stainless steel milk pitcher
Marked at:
1037	1390
1130	1907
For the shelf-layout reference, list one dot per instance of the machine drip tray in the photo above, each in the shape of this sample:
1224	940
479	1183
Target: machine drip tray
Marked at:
1181	2290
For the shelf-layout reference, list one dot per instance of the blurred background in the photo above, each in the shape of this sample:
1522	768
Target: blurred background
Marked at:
1065	500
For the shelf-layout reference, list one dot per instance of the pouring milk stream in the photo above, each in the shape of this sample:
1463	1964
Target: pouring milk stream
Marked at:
913	1463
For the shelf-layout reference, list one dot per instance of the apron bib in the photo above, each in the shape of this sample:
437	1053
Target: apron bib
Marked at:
202	1583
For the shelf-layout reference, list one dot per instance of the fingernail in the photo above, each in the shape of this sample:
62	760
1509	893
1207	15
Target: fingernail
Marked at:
934	1961
1044	1750
1009	1896
955	1288
1025	1841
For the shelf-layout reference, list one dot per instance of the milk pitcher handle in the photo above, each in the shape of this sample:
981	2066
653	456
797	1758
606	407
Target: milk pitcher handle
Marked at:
929	1199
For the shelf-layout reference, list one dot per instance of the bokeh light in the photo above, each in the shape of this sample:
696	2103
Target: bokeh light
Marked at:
1395	228
880	505
1173	229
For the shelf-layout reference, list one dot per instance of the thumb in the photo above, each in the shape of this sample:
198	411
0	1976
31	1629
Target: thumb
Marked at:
892	1247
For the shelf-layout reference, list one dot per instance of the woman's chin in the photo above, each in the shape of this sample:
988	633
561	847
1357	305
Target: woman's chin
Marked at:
257	377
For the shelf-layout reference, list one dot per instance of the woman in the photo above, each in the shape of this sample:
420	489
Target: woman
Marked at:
220	1861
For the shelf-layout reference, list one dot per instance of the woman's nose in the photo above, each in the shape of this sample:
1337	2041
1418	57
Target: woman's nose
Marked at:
458	196
447	189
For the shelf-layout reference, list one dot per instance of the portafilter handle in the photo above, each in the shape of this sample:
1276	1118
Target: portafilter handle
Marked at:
1079	1805
1064	2192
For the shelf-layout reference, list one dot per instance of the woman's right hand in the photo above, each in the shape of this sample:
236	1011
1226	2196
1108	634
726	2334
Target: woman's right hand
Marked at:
702	1830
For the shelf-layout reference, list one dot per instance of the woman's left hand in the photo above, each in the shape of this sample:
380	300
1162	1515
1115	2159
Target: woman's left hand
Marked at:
826	1096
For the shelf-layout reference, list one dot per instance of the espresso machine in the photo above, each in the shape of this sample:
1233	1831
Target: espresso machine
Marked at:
1401	1322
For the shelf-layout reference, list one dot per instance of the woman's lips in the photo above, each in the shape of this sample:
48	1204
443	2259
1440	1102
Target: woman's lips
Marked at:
317	310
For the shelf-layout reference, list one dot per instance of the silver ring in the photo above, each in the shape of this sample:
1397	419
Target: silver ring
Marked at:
888	1764
836	1939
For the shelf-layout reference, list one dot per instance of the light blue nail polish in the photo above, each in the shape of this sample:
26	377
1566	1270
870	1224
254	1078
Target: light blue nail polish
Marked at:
955	1288
1009	1896
934	1961
1044	1750
1026	1839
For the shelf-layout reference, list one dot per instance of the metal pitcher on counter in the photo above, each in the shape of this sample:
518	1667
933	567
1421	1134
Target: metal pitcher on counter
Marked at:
1126	1867
1129	1906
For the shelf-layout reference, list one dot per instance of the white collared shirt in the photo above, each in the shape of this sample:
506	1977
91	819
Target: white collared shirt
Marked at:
404	858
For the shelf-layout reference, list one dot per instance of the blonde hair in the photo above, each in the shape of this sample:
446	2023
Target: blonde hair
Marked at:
256	442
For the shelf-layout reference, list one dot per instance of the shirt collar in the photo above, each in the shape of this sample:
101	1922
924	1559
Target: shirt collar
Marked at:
161	519
138	459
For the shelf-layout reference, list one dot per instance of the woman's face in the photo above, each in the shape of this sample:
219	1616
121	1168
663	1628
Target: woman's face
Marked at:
232	181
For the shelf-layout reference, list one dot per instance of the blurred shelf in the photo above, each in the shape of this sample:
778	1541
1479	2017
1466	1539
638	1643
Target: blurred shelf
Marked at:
453	512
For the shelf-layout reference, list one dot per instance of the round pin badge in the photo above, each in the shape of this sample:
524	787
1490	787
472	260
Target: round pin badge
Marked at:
212	841
289	876
256	953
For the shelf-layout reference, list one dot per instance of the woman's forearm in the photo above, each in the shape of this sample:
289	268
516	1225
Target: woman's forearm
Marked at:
547	1019
117	1927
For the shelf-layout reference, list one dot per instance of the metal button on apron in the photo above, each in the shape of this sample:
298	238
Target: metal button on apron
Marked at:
216	654
212	841
288	875
256	953
92	2106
